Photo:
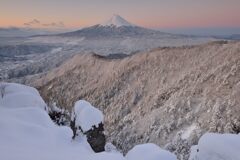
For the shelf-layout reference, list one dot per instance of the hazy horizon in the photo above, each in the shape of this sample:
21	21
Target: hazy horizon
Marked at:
205	17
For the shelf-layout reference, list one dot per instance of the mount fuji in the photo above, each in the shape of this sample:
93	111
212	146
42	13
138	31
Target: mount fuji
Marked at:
117	27
116	21
118	36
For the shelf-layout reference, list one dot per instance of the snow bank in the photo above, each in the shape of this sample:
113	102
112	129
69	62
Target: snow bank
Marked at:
28	133
14	95
86	115
214	146
149	152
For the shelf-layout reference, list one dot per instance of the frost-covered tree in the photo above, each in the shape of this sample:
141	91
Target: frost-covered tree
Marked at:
2	89
235	125
180	147
109	147
60	116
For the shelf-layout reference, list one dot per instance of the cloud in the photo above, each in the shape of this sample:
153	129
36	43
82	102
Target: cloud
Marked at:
9	29
37	23
32	23
54	24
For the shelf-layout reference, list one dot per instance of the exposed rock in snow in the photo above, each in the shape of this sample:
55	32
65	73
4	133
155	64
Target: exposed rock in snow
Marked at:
96	138
88	120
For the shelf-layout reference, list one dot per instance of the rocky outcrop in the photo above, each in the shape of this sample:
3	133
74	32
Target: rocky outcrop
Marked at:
96	138
88	120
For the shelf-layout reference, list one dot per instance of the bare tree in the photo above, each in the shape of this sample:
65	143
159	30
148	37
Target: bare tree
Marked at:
2	89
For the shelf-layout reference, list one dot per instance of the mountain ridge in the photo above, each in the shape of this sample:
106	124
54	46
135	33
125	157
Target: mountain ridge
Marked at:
170	96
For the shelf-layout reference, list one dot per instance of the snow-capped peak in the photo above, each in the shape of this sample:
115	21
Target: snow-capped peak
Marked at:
117	21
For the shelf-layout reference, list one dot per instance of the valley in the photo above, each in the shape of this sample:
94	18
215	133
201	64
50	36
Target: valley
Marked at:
24	58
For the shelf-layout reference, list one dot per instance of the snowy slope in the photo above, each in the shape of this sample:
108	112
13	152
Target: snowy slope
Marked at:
149	152
154	96
27	132
217	147
19	96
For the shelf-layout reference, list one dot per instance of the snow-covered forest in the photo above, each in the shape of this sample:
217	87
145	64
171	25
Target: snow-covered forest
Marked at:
28	132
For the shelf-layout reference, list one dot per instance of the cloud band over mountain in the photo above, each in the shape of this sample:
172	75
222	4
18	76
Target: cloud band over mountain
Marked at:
31	23
37	23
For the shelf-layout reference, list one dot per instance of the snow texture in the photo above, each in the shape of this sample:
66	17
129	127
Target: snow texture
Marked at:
28	133
87	116
151	97
187	133
149	152
214	146
20	96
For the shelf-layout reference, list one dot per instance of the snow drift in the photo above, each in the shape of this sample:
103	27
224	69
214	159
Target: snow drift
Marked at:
214	146
149	152
87	115
28	133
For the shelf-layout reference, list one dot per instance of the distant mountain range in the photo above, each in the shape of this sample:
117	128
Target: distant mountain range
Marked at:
117	27
229	37
25	32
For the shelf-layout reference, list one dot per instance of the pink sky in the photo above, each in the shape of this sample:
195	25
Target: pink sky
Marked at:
148	13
